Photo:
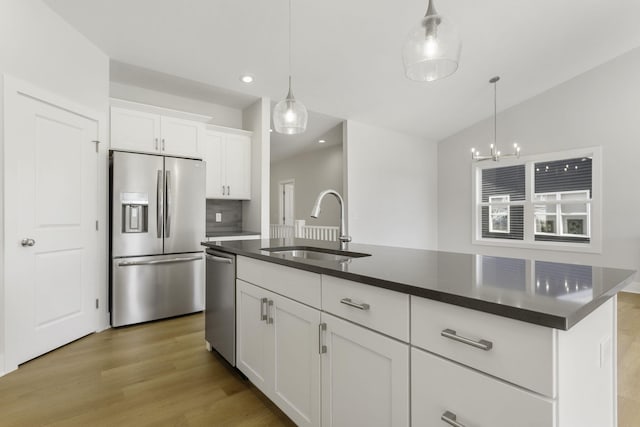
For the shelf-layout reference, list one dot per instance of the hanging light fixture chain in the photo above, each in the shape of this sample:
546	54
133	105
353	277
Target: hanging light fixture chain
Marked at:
290	72
495	114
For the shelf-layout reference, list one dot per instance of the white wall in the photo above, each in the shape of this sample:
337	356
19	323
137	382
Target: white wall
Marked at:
37	46
313	172
598	108
220	115
255	212
391	187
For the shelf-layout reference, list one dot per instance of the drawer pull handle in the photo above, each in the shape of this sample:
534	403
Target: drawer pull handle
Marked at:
263	303
347	301
450	418
270	312
481	344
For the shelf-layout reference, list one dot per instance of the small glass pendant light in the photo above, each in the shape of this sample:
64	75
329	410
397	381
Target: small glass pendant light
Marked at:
290	115
432	49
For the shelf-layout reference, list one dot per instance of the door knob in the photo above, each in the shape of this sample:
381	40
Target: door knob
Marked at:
28	242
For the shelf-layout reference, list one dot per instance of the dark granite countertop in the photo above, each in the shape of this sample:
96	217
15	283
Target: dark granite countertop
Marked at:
545	293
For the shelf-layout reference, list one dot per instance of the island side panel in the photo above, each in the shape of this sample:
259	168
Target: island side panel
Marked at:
587	369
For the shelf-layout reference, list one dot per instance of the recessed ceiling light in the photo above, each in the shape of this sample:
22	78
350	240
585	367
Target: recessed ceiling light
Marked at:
246	78
321	141
270	130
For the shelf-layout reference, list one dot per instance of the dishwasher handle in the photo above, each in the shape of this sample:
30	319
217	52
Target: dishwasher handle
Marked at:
219	259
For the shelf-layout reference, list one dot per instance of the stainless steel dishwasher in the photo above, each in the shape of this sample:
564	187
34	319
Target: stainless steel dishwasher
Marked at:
220	304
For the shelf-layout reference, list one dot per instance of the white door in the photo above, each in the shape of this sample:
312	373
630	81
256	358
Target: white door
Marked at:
213	155
253	345
296	360
180	137
134	130
365	377
238	166
287	197
51	190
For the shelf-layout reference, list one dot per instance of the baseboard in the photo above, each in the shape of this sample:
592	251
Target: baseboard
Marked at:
634	287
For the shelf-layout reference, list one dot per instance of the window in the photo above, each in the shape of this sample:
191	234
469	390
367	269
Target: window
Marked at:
542	201
499	214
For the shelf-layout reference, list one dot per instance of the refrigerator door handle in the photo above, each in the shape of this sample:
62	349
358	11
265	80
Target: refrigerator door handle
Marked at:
159	204
160	261
167	226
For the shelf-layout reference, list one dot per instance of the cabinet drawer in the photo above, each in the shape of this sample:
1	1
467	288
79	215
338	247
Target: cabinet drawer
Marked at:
520	353
376	308
299	285
440	387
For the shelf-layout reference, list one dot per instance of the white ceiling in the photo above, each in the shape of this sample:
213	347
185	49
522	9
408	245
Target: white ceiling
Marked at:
346	54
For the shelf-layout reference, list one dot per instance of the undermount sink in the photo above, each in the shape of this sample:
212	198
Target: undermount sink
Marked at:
319	254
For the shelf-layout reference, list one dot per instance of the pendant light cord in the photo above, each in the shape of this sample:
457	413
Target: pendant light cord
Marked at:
289	43
495	115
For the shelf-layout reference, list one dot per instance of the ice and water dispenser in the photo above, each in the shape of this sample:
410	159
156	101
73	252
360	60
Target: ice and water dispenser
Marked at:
135	212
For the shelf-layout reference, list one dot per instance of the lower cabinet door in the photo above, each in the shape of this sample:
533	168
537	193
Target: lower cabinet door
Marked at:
296	364
254	344
444	393
365	377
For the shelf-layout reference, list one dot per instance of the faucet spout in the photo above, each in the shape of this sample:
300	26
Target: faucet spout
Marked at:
315	212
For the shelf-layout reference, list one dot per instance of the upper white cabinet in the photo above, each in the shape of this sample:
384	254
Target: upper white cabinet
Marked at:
134	130
228	156
152	132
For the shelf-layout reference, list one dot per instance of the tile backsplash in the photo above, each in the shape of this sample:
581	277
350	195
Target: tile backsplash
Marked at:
231	212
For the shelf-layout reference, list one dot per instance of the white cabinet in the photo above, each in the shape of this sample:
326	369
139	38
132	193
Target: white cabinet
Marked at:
134	130
228	156
277	349
442	390
252	334
365	377
147	132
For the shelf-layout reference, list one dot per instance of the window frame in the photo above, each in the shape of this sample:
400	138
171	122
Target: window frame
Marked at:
528	241
500	204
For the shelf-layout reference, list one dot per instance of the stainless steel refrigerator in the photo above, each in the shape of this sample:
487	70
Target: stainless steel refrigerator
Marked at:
157	224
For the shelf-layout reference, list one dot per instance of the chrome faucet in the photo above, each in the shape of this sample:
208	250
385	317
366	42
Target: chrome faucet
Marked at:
315	212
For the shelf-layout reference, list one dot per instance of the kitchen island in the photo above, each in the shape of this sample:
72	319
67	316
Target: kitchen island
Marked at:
435	337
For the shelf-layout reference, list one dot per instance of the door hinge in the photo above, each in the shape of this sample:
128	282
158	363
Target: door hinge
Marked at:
97	225
97	145
97	303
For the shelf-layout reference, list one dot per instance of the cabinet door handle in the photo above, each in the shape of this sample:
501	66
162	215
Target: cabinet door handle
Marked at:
270	312
451	419
156	139
363	306
263	314
163	144
321	347
228	190
223	190
453	335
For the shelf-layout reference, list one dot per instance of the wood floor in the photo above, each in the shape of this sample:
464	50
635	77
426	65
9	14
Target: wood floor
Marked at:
159	374
156	374
628	360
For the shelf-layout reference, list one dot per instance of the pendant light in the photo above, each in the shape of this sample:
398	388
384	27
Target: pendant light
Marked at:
290	115
495	153
432	48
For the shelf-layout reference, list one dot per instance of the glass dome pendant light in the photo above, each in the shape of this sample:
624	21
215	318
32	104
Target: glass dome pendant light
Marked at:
290	115
432	49
495	154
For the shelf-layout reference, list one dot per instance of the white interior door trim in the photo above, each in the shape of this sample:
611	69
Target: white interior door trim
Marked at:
281	185
12	88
